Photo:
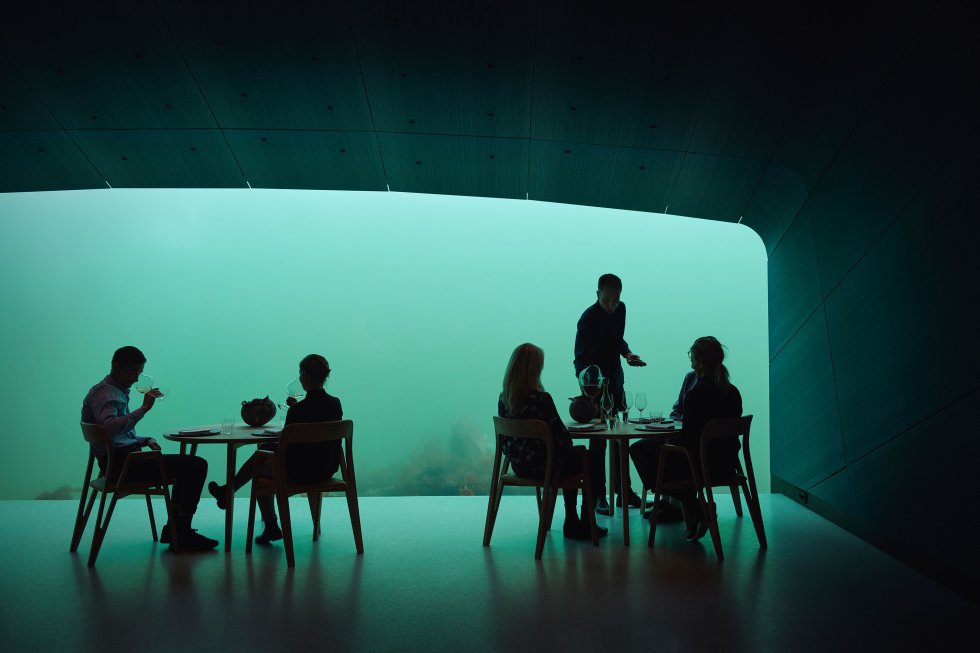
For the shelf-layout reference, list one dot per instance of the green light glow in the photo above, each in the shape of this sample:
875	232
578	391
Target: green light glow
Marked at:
416	301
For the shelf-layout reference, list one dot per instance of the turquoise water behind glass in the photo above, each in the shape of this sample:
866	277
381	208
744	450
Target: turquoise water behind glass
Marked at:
416	301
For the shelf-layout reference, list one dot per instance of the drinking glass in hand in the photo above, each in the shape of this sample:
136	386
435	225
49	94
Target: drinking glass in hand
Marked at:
144	383
641	402
294	392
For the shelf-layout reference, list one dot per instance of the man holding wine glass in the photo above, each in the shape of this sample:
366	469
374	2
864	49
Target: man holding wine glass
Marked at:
599	341
107	404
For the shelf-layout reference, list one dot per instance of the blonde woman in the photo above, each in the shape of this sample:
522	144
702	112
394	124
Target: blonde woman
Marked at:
524	397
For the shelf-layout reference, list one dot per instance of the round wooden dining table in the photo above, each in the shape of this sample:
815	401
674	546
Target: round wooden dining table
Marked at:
241	435
619	440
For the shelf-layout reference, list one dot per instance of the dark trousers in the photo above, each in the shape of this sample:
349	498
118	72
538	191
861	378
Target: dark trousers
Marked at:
321	464
187	473
722	462
568	465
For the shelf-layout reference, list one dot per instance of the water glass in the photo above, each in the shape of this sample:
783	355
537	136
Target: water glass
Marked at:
227	425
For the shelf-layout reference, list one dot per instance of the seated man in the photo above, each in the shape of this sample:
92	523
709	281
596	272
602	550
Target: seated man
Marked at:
107	404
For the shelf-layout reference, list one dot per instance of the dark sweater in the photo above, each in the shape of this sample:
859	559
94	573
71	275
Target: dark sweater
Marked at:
599	341
320	460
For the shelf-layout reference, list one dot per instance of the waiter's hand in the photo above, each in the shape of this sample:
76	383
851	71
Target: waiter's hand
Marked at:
153	444
634	361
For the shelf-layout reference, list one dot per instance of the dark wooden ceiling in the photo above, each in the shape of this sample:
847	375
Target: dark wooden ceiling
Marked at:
719	110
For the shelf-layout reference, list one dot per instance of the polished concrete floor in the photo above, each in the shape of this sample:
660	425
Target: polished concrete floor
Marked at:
425	583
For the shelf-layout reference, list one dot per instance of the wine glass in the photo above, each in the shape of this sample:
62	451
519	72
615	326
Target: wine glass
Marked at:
607	405
590	380
627	403
641	402
144	383
294	390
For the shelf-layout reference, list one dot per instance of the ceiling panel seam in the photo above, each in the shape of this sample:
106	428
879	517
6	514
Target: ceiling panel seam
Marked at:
857	121
786	130
204	97
530	111
367	96
697	121
61	127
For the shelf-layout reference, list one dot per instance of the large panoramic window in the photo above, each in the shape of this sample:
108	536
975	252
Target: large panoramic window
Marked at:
416	301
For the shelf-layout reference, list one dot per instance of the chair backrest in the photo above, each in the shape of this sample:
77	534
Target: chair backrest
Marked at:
316	432
528	429
95	434
727	428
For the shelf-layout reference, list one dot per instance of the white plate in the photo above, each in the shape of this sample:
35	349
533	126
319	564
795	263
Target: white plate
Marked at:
199	432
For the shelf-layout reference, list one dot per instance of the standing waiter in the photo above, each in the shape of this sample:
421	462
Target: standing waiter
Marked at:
599	341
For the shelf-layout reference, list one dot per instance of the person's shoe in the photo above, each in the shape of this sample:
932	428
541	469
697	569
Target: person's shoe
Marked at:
602	506
218	492
579	530
634	500
695	534
165	534
270	533
191	540
668	514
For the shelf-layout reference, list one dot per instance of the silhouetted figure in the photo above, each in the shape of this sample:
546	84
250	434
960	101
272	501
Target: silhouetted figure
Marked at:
523	397
712	397
599	341
690	380
107	404
306	462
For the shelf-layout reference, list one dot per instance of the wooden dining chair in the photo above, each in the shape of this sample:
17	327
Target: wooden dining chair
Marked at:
702	482
280	486
545	488
95	434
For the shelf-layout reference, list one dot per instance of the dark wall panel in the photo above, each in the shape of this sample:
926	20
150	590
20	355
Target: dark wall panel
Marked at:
777	200
44	160
311	160
907	311
493	167
794	284
921	474
591	175
929	104
806	447
714	187
162	159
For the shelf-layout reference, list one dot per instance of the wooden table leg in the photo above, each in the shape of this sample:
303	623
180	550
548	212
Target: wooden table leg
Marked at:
624	490
229	494
611	446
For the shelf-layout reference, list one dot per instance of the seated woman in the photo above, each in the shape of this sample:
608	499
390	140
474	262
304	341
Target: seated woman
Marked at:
523	397
712	397
307	462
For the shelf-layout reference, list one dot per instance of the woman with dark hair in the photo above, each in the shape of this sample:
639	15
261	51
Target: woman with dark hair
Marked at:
712	397
523	397
307	462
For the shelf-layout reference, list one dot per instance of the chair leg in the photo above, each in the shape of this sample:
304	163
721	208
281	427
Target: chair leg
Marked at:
314	499
643	499
755	511
491	513
710	509
736	500
100	529
153	523
251	520
287	528
550	497
81	520
355	518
